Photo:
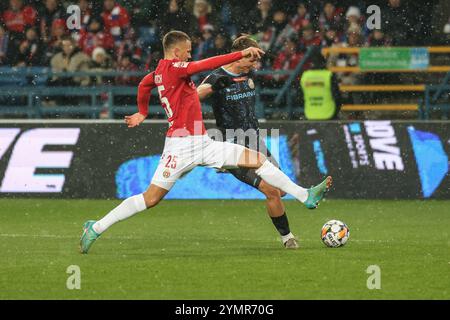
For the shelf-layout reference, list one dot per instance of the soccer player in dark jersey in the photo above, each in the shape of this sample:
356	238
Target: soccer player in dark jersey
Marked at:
187	142
232	92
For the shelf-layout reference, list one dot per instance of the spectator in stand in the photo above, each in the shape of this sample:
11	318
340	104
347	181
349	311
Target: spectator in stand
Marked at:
206	45
287	59
354	19
378	39
301	18
30	50
196	39
222	45
52	11
125	64
176	18
287	30
94	37
309	37
57	33
116	20
86	13
446	33
330	17
354	39
101	61
274	36
17	18
396	23
204	15
260	19
130	47
4	38
70	59
331	38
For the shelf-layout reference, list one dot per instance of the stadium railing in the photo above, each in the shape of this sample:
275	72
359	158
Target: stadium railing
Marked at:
24	92
423	106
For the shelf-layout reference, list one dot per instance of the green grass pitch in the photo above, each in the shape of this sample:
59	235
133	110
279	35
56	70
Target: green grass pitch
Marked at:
225	250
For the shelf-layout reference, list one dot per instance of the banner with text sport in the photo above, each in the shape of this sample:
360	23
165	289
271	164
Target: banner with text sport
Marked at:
369	159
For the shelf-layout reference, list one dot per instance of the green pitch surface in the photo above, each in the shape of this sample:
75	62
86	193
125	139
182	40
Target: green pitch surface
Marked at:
225	250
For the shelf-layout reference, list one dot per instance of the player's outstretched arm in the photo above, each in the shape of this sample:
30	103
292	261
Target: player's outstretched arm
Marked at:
143	98
218	61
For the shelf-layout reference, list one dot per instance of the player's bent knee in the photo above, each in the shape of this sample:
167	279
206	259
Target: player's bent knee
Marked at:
261	159
269	191
151	201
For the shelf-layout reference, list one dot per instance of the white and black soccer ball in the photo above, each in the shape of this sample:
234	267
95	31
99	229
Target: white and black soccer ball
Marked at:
335	233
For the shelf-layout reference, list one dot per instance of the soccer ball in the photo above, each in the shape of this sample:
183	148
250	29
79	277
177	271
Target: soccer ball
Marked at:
335	233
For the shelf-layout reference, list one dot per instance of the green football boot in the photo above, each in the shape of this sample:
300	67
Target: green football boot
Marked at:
315	194
88	237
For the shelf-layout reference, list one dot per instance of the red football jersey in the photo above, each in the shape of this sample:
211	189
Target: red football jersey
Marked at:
178	93
179	98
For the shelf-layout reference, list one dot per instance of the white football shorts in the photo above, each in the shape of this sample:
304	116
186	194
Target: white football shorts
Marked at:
182	154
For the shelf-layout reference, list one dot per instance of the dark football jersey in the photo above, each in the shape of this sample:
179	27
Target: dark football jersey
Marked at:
234	106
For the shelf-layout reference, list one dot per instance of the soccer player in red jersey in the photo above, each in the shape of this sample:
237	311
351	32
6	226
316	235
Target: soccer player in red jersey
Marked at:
187	144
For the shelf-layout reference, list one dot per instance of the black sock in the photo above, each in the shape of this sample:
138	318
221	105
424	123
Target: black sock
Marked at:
282	224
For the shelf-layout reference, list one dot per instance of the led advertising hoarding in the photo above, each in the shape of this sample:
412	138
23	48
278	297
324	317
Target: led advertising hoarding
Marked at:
369	159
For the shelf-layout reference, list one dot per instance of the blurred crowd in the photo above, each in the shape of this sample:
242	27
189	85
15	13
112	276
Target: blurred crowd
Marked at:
126	35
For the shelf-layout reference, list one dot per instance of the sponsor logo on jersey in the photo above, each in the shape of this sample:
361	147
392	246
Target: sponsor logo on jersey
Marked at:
180	64
240	96
239	79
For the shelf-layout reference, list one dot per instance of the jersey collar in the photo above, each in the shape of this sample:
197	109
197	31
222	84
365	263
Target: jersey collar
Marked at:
231	73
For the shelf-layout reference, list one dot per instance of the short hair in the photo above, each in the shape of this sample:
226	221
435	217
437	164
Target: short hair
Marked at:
243	42
174	37
68	37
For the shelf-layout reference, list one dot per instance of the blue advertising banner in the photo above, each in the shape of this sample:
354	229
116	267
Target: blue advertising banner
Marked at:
369	159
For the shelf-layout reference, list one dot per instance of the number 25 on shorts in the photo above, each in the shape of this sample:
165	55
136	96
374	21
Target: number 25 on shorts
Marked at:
171	162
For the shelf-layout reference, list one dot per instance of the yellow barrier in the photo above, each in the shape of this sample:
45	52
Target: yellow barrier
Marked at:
385	88
380	107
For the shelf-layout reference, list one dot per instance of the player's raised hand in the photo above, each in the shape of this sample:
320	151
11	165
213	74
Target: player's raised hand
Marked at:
134	120
253	52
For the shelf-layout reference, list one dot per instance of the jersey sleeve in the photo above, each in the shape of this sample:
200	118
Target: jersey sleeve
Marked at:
185	69
212	63
144	92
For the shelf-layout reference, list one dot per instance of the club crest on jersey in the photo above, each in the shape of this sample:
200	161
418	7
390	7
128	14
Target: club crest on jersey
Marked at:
166	174
158	78
251	84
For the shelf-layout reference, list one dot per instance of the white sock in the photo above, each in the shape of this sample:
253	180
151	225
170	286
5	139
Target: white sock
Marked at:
287	237
126	209
275	177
